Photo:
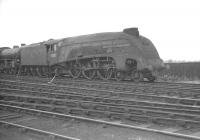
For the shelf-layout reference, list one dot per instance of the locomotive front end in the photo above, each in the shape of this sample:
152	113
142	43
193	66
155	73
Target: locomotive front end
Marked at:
143	58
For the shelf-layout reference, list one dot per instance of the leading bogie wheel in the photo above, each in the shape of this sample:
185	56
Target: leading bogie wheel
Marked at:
137	77
119	75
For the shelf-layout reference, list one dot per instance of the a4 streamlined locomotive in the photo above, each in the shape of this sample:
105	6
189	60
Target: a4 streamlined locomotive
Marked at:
119	55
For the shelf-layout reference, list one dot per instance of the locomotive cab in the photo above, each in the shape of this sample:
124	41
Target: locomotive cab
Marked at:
51	48
51	54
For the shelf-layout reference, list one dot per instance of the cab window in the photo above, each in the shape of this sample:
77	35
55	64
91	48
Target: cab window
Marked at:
51	48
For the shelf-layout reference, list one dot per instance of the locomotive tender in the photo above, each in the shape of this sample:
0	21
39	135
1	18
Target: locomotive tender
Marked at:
120	55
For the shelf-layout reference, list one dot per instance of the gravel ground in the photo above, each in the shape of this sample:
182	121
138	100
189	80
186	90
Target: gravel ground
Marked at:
77	129
189	82
13	134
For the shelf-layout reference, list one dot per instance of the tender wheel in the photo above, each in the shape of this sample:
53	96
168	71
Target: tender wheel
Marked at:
34	71
105	74
13	71
75	70
39	71
119	75
44	71
27	71
8	71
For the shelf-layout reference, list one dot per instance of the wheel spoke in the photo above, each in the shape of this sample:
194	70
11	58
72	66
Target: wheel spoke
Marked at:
105	74
89	74
75	70
75	73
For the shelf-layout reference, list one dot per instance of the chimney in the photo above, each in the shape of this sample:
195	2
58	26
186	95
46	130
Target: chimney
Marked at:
132	31
15	46
23	44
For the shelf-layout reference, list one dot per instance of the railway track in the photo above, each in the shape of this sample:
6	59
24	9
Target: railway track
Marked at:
184	98
39	132
113	112
150	113
103	129
25	127
172	89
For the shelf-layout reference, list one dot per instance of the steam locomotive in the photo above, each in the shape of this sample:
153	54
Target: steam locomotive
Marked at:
118	55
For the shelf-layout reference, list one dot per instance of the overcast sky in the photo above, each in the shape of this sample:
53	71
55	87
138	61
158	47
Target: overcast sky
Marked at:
172	25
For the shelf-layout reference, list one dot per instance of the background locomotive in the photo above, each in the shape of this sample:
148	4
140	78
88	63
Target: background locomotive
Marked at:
120	55
9	59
